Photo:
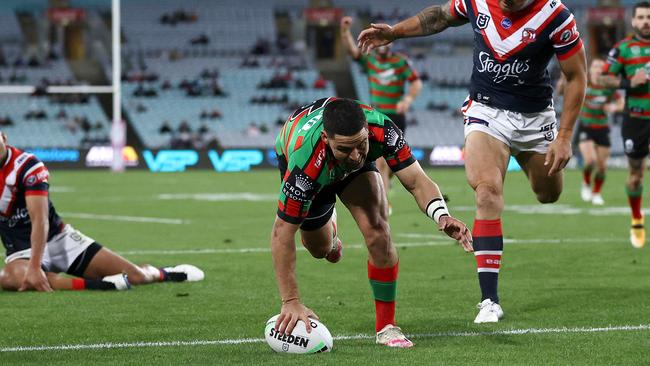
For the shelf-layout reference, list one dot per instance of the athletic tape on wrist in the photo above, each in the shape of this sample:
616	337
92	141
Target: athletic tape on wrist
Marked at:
437	208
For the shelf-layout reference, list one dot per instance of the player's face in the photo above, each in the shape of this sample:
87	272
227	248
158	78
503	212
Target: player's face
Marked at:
383	51
350	151
510	6
596	69
641	22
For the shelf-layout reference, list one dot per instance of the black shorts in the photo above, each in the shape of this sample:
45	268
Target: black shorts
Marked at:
399	120
600	136
78	267
636	137
322	206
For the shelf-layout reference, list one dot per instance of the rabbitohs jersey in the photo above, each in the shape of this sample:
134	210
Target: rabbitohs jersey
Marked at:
513	50
310	163
22	175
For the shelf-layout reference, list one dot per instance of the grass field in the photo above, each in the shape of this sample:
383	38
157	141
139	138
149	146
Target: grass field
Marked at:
573	289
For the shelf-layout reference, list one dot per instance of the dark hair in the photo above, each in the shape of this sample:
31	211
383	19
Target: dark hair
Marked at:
343	117
640	5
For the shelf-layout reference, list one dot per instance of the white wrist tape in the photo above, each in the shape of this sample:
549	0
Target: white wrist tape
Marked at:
437	209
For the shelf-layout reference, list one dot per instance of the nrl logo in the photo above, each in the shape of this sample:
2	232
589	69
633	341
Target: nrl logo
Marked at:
482	20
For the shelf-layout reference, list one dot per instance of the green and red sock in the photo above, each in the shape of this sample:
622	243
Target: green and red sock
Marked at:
384	288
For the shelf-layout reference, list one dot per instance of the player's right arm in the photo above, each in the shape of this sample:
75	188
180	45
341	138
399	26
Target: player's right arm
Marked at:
37	207
431	20
347	39
614	74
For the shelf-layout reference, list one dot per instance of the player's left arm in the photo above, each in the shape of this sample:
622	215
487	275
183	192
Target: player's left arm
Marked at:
617	105
570	52
415	86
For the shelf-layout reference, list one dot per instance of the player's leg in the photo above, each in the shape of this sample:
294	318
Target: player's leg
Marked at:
602	155
319	233
486	162
634	189
588	152
636	135
547	189
364	197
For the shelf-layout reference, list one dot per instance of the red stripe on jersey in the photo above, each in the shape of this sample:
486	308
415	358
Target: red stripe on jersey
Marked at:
644	113
404	153
488	261
539	30
298	142
366	107
597	127
293	127
638	60
487	228
315	164
374	68
593	116
390	83
639	96
386	106
376	133
519	19
35	193
380	93
293	208
577	47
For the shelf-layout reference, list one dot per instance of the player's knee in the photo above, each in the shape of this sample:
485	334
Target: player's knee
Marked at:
377	236
137	276
548	196
635	180
488	197
7	281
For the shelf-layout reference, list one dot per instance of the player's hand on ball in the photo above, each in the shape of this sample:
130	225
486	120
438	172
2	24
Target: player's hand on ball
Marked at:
292	311
375	36
456	229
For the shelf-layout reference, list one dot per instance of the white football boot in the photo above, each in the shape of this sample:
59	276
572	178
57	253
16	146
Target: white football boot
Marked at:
597	199
120	281
489	312
193	273
392	336
585	192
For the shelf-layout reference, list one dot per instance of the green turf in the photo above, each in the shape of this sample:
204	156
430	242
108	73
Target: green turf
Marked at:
574	268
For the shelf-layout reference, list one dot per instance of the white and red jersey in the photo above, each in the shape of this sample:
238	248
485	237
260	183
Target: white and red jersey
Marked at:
22	175
512	51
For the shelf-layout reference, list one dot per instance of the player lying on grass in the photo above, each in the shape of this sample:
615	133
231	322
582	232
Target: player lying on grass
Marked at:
40	246
328	148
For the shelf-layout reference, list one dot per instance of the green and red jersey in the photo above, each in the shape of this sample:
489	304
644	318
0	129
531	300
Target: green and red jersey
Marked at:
593	113
386	79
311	164
624	59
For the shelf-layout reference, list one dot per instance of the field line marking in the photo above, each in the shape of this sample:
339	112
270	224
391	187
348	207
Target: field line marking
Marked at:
505	332
142	219
433	243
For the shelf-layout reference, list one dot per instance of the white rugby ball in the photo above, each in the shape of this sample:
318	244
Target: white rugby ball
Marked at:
299	341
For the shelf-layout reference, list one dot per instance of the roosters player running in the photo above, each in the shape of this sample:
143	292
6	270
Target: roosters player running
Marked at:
509	110
39	245
629	60
328	149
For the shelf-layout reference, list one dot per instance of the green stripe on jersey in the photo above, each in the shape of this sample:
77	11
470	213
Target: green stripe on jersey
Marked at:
593	112
625	59
394	70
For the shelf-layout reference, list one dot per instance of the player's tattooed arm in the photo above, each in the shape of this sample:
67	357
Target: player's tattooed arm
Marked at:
437	18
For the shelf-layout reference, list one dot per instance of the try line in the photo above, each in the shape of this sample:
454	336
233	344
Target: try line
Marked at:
223	342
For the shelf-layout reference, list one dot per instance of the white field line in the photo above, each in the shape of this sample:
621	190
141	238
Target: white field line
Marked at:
507	332
141	219
432	243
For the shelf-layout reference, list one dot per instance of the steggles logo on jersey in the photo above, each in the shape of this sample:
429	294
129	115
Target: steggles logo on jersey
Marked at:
502	71
482	20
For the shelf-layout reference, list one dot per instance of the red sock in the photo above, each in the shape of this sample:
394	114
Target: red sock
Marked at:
586	175
384	287
78	284
599	179
635	205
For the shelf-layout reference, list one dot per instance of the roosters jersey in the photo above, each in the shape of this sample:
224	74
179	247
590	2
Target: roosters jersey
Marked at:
513	50
22	175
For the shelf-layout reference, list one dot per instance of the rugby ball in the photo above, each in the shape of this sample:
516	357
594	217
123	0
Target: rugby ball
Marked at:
299	341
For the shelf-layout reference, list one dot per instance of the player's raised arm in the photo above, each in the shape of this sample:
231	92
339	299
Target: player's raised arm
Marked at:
37	207
431	20
347	39
430	200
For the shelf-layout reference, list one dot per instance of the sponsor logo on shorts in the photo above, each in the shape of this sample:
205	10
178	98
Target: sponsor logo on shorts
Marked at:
629	146
549	131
